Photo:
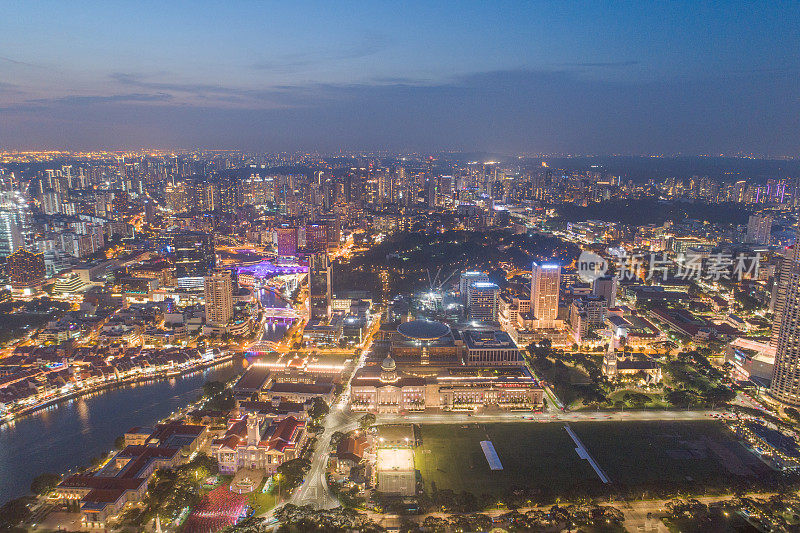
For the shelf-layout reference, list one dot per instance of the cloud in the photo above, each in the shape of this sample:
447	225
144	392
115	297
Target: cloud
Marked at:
602	64
275	96
17	62
370	45
499	111
99	99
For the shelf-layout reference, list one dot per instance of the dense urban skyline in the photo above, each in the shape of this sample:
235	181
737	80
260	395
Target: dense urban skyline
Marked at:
509	77
420	267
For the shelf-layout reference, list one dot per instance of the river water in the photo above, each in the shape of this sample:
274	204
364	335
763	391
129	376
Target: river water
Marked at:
67	435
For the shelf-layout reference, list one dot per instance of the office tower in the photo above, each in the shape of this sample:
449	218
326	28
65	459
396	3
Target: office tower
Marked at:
606	287
121	170
785	385
176	198
316	238
149	211
545	280
194	254
10	233
228	195
14	222
759	229
286	237
430	192
319	287
51	203
467	279
786	258
385	187
483	301
25	268
219	298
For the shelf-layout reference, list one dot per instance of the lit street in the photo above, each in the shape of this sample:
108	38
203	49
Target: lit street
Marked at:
579	416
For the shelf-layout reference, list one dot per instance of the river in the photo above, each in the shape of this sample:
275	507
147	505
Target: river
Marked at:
67	435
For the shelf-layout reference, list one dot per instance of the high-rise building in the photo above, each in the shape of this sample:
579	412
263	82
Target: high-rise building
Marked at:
316	238
10	232
785	385
606	287
483	301
545	280
759	229
176	198
219	298
319	287
287	241
25	268
194	254
467	279
14	222
786	259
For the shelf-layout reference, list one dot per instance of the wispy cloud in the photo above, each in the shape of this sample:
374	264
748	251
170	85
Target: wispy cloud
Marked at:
369	45
103	99
5	59
276	96
198	89
601	64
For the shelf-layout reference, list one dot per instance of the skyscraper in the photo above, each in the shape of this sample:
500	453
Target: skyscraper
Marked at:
467	279
316	238
484	299
319	287
545	280
25	268
606	287
13	222
194	254
287	241
219	298
786	258
759	229
785	385
10	233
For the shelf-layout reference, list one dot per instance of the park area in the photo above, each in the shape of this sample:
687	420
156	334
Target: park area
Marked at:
539	460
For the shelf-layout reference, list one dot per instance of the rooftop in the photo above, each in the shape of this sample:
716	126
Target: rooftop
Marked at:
423	329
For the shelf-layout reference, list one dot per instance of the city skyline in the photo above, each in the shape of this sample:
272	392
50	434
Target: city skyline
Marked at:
452	266
510	77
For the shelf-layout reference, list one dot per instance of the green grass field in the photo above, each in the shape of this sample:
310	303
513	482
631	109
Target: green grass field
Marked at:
638	457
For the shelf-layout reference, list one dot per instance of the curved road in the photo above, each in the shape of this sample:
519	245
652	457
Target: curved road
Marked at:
314	489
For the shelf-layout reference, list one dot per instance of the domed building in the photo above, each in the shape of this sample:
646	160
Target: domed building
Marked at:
424	341
388	370
425	364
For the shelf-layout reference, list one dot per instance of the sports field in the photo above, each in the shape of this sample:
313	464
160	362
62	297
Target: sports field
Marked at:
541	458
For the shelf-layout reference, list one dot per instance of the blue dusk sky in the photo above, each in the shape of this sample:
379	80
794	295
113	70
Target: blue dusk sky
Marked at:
634	77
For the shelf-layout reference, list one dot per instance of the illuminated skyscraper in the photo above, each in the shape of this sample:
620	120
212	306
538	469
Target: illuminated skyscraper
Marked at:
14	222
194	254
219	298
759	229
287	241
484	300
319	287
25	268
786	259
316	238
606	286
467	279
545	281
785	385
